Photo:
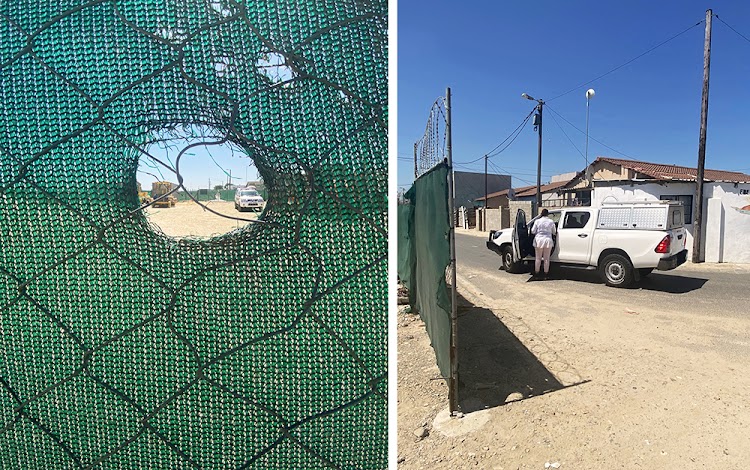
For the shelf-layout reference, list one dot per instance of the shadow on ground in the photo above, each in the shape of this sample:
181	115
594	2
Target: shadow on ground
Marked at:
493	363
656	281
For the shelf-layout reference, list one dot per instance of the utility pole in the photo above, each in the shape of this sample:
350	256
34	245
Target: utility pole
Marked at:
539	162
538	124
415	162
486	201
698	217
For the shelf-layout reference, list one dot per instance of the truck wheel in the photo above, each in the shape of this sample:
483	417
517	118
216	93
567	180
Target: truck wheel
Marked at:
616	271
508	263
645	271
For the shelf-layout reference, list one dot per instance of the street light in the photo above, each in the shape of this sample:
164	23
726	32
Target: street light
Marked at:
538	123
589	94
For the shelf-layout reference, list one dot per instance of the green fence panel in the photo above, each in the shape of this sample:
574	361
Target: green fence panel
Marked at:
406	255
427	237
123	348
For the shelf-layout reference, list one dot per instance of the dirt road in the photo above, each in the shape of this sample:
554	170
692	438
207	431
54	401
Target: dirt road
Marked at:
574	374
188	219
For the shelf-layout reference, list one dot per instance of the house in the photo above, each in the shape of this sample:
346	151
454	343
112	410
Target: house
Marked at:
551	196
503	204
726	193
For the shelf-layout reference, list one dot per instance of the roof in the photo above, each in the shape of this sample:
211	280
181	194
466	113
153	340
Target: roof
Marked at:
545	188
526	191
661	171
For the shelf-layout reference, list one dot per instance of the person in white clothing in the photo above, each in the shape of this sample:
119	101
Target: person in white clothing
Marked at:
543	229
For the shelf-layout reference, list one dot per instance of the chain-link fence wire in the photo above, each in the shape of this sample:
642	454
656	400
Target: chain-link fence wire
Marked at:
123	348
426	247
424	255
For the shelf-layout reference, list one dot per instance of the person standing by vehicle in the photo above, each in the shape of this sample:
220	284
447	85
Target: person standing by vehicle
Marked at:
543	230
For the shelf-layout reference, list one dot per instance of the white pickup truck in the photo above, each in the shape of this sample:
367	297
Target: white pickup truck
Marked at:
624	241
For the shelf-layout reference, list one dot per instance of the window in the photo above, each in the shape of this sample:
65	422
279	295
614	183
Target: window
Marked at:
676	218
581	198
687	203
576	219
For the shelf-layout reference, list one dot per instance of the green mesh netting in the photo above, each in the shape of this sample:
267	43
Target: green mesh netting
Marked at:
424	255
123	348
407	262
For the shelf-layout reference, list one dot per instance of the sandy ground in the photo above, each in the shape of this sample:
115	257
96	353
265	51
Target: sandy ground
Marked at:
188	219
567	381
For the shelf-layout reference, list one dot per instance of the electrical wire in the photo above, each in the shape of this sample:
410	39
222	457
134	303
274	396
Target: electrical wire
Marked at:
728	26
502	170
567	136
515	132
505	169
512	140
628	62
592	138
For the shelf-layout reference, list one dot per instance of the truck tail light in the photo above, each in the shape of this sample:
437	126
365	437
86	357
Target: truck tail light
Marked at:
663	246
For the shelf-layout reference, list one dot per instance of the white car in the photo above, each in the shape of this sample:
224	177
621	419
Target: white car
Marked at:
248	198
623	241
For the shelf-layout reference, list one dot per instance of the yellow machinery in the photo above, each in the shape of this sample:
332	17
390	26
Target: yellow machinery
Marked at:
160	188
143	196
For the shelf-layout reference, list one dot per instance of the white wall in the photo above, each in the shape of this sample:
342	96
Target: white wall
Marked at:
640	192
563	177
723	231
728	228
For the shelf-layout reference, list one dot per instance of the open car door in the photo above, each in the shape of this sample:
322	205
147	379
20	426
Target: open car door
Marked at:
520	235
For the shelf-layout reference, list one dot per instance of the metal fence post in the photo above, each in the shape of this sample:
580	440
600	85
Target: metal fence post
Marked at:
453	382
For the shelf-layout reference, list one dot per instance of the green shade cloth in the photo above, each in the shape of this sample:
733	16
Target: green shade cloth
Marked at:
424	255
122	348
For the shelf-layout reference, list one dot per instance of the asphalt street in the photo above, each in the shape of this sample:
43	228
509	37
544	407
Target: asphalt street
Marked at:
691	289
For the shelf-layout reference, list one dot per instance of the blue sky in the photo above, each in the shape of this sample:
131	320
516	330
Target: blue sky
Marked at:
490	52
199	166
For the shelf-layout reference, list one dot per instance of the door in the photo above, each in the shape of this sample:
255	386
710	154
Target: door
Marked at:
575	233
520	235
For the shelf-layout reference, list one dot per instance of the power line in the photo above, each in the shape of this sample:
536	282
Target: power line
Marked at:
595	140
728	26
502	170
507	171
512	140
629	62
566	135
517	131
520	126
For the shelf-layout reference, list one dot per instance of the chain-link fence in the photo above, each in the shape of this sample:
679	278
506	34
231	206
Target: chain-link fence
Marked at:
426	251
123	348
